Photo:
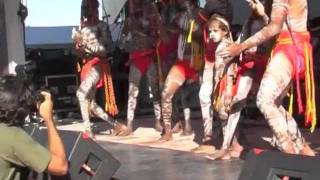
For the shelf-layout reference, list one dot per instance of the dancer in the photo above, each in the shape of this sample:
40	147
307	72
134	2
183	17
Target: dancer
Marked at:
189	56
291	58
90	41
142	27
216	35
167	54
248	72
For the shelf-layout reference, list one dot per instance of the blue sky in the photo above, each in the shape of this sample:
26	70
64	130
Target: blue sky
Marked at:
53	12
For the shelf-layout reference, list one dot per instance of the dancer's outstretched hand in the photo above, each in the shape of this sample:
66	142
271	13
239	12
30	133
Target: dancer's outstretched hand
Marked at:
257	7
231	51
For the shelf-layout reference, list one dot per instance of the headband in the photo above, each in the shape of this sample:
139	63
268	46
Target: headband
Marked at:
223	21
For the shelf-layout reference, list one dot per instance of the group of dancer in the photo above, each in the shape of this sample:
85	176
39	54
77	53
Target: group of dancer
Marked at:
176	43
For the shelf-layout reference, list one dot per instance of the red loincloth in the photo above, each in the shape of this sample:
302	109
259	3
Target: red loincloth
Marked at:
299	52
88	66
141	59
164	49
186	70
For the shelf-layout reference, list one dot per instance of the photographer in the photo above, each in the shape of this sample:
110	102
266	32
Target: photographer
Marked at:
17	149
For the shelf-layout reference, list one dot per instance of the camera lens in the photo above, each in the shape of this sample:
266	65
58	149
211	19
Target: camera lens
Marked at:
39	98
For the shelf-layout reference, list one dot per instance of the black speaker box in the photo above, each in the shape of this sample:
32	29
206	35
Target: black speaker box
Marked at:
267	165
87	159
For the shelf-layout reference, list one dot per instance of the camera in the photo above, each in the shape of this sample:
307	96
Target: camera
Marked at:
26	74
38	97
26	71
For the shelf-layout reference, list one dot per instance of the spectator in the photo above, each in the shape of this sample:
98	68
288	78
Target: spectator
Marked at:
17	149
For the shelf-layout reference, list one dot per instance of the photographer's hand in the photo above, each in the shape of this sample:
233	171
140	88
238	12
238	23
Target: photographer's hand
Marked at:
45	108
58	164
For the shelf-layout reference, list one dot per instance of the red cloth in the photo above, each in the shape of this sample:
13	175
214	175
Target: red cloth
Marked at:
186	69
142	59
209	47
210	51
96	61
299	52
295	53
260	66
164	49
256	61
250	61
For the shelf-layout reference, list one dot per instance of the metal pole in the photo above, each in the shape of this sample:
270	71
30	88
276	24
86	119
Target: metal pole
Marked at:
3	39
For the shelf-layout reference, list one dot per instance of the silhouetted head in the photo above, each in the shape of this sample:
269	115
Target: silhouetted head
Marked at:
90	12
15	100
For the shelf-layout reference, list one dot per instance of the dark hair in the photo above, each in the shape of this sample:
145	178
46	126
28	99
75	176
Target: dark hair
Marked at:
221	7
15	101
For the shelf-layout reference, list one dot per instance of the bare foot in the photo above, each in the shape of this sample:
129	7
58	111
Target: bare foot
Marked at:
289	148
235	153
207	149
166	137
126	132
218	155
307	150
235	149
177	128
226	156
120	129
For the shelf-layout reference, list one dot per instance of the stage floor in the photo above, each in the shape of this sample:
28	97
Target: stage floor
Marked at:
145	162
141	163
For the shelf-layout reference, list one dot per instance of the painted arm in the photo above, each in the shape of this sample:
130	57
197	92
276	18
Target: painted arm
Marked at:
265	19
259	10
220	63
278	17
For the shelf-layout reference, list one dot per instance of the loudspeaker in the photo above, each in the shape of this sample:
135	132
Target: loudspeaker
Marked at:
268	165
87	159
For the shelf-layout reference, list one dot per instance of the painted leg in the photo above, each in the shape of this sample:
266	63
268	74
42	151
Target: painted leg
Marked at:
187	119
300	144
134	80
98	111
186	92
157	113
205	99
132	102
119	128
174	80
238	103
274	82
85	94
176	113
154	91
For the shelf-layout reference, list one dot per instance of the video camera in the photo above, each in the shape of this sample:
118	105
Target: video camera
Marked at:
26	74
26	71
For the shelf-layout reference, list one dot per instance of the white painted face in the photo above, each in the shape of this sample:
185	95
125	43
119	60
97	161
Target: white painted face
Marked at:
216	34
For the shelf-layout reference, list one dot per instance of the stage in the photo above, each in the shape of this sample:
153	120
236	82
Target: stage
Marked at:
141	163
142	158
